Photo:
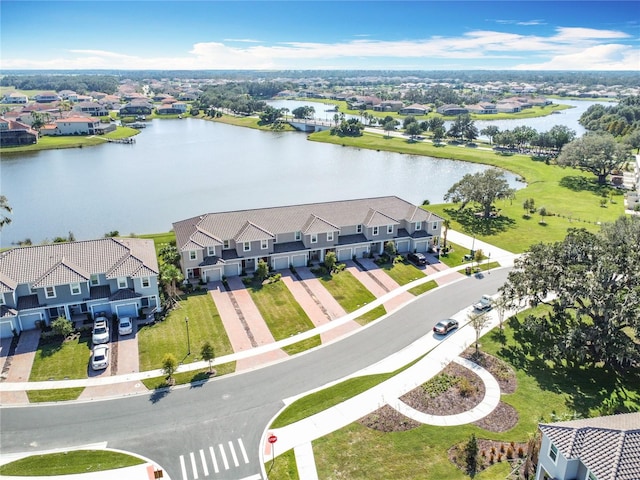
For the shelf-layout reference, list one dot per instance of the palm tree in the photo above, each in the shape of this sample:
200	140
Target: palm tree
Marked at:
4	206
170	275
447	225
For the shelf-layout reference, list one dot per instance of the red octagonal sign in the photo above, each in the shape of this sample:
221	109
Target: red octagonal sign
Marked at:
272	439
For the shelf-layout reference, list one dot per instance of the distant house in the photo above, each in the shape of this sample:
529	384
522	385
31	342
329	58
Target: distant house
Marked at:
91	108
73	280
508	107
16	98
68	95
601	448
188	96
388	106
74	126
482	108
14	133
47	97
415	109
136	108
451	109
228	243
172	108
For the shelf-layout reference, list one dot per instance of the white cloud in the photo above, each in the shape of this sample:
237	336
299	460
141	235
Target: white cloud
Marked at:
567	48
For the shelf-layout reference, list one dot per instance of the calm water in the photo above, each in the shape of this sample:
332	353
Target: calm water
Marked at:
182	168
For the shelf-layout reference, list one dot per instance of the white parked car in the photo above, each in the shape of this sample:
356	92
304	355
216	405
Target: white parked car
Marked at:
100	331
125	327
100	357
485	303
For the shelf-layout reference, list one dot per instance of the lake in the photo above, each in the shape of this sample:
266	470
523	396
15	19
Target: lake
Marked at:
183	168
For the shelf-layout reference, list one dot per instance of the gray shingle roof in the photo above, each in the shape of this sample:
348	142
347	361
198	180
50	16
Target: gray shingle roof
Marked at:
63	263
608	446
278	220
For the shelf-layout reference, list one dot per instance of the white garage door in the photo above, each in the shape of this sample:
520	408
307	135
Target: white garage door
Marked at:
128	310
299	260
280	263
29	320
6	329
212	275
344	255
402	246
421	246
232	270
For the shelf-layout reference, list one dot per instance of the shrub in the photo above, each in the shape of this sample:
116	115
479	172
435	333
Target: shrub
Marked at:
465	388
502	449
520	452
509	453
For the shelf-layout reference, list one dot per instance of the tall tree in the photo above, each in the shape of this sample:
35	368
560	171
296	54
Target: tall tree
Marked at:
490	131
591	282
597	153
482	187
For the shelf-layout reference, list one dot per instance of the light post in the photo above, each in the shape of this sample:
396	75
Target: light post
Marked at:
186	321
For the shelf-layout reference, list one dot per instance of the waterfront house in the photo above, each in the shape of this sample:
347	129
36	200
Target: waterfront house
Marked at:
91	108
451	109
600	448
75	126
415	109
14	133
136	108
229	243
482	108
76	280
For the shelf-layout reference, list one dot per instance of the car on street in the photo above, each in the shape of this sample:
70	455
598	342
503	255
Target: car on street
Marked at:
100	331
125	327
417	258
100	357
445	326
485	303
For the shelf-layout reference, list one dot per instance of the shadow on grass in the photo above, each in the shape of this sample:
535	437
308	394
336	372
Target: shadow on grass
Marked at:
475	225
587	388
577	183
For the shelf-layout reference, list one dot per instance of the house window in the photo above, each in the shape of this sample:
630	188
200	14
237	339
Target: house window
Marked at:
75	289
122	282
211	251
226	245
418	225
314	238
330	237
553	453
591	476
246	246
50	292
375	230
435	225
358	228
193	254
298	236
389	228
146	283
94	280
264	244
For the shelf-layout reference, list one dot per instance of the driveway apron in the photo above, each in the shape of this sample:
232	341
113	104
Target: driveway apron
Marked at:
243	322
312	307
378	282
21	364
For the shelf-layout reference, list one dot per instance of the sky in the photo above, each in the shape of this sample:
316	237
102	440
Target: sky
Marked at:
323	35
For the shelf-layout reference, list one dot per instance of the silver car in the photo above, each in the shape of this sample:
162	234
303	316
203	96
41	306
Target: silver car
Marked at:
125	327
100	357
100	331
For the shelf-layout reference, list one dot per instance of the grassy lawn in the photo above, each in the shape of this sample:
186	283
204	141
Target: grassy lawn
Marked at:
56	395
571	197
402	272
283	466
545	393
68	463
193	376
282	314
60	360
425	287
50	143
303	345
371	315
347	290
170	335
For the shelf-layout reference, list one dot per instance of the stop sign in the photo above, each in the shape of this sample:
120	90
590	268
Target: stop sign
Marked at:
272	439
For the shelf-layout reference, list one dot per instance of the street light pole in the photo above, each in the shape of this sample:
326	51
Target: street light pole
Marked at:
186	321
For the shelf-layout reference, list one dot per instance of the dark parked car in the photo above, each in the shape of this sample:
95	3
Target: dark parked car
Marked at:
445	326
417	258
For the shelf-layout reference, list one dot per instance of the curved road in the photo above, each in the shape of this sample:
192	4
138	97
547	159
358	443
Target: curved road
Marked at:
227	416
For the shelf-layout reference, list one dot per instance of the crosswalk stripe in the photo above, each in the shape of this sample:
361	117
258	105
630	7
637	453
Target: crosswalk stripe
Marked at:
193	465
233	454
213	459
183	467
243	451
224	457
204	463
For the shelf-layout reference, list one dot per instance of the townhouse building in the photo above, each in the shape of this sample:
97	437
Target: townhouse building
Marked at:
76	280
231	243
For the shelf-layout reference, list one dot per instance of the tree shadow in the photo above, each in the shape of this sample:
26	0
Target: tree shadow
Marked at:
577	183
475	225
158	394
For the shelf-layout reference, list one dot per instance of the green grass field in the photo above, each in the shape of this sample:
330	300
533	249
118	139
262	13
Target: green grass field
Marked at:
60	360
68	463
347	290
170	335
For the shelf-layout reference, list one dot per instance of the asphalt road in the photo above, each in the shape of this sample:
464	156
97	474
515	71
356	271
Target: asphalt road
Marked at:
186	429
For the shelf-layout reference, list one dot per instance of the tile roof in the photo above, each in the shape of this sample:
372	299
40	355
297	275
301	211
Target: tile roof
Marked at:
63	263
608	446
279	220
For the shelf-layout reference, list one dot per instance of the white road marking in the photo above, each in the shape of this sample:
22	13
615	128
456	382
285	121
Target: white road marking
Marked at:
193	465
204	463
243	451
183	467
233	454
224	457
213	459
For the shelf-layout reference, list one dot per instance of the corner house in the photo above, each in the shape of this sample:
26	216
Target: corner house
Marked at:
76	280
230	243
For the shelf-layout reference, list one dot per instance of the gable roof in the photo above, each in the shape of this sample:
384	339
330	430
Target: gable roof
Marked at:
608	446
308	218
63	263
